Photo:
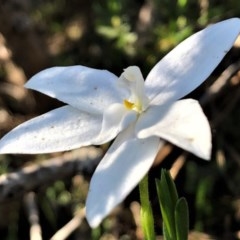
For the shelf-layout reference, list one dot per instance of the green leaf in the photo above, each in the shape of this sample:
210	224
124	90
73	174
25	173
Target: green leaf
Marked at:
166	234
171	186
168	196
146	210
181	219
174	210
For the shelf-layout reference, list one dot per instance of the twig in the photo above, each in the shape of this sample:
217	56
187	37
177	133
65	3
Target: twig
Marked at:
70	227
28	178
33	217
177	165
135	209
163	153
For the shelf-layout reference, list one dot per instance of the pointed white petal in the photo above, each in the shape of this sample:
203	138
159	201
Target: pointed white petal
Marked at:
87	89
182	123
191	62
121	169
115	119
62	129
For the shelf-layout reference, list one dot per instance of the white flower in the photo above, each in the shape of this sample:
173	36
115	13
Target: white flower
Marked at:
101	106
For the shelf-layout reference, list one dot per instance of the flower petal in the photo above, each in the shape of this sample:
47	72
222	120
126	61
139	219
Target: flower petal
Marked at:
62	129
87	89
191	62
115	119
182	123
121	169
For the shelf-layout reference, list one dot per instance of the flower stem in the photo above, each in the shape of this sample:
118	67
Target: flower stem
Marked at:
146	211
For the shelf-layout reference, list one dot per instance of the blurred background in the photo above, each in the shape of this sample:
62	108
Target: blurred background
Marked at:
40	194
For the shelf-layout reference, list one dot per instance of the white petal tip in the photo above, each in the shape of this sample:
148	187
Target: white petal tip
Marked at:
94	212
205	155
94	222
203	148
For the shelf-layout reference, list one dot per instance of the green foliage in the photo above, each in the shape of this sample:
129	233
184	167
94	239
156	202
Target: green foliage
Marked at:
121	34
174	210
146	210
181	219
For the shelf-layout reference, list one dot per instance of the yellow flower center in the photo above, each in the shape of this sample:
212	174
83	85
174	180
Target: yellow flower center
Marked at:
133	81
132	106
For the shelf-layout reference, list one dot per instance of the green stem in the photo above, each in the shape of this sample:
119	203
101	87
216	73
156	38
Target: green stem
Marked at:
146	211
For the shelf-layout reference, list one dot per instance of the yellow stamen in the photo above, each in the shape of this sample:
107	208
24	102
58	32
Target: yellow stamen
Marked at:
128	105
132	106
